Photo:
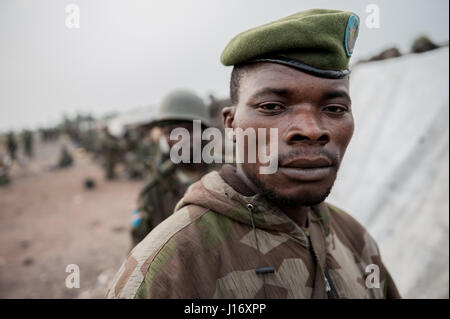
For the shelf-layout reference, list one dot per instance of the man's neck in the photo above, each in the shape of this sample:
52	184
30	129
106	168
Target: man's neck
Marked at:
299	214
240	173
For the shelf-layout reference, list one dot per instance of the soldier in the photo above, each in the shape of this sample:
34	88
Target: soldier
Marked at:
111	151
140	151
27	139
65	158
11	143
4	167
238	233
168	181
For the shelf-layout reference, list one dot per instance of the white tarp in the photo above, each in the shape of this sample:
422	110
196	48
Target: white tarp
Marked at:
395	175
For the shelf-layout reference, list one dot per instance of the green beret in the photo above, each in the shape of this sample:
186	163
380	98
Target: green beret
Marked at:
317	41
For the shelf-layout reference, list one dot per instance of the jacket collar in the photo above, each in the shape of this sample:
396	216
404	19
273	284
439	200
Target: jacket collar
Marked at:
225	193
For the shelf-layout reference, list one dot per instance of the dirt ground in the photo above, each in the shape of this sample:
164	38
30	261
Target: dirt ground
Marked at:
48	220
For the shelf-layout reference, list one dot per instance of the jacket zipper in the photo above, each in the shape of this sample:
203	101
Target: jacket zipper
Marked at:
261	270
331	289
329	285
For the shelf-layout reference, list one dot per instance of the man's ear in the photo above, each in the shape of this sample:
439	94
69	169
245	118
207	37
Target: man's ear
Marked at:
228	116
228	119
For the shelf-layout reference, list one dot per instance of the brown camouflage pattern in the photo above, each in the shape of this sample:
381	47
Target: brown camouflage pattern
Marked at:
207	249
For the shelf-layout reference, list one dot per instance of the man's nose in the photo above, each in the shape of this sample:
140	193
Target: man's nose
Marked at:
307	128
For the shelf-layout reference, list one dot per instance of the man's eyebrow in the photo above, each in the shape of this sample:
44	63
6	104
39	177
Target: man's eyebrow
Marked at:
271	91
328	95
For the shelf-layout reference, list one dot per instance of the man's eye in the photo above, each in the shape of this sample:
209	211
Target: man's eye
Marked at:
335	109
271	107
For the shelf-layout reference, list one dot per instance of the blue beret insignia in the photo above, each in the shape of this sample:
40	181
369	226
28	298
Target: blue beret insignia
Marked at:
351	33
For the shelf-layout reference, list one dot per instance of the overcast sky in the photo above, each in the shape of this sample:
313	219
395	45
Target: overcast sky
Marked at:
129	53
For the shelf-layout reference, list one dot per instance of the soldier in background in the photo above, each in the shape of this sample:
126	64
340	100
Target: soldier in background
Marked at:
111	151
65	158
4	165
4	177
141	149
27	140
168	181
11	144
215	110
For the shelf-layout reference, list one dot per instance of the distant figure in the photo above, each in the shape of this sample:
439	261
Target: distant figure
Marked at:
65	159
215	110
140	152
4	178
27	140
12	146
111	152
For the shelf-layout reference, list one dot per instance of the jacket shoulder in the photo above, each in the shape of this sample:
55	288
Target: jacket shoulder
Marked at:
342	219
191	257
149	251
364	247
352	233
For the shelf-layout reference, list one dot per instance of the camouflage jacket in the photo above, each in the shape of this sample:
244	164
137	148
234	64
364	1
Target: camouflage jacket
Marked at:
156	201
209	249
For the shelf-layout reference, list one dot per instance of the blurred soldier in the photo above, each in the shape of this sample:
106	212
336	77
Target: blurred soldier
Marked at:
4	178
12	146
4	167
168	181
215	110
111	151
141	149
240	233
27	140
65	158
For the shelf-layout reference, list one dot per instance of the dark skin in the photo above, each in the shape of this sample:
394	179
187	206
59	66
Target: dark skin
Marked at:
315	124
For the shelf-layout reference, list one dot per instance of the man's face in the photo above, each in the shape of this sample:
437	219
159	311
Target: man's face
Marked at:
315	124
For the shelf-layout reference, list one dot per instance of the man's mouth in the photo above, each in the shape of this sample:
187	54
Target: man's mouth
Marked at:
307	169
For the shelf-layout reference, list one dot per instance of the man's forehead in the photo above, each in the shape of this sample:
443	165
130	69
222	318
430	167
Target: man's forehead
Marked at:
276	77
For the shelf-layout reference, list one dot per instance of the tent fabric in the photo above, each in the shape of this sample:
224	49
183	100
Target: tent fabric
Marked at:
395	175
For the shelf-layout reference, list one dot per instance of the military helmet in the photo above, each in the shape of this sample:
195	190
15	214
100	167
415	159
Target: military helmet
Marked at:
182	105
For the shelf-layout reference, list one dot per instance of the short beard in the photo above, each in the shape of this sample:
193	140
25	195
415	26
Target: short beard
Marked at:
280	201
